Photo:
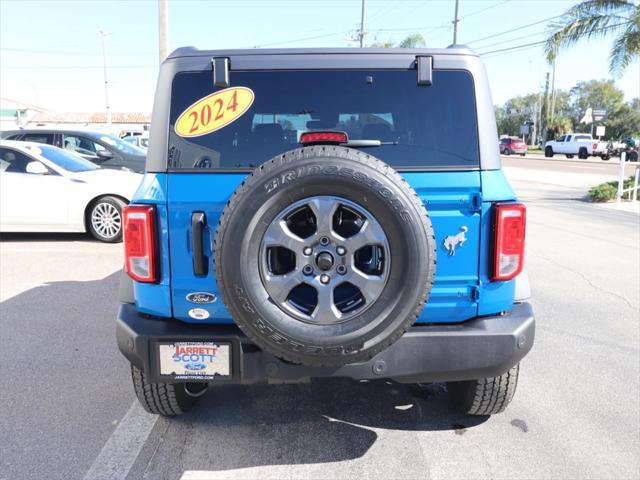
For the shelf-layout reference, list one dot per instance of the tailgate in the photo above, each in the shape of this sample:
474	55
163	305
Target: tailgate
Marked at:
452	200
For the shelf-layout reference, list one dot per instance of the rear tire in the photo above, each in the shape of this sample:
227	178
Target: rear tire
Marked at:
507	152
633	157
583	153
548	152
104	219
486	396
166	399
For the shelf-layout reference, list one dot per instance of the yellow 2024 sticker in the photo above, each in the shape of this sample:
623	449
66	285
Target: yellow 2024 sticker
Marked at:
214	111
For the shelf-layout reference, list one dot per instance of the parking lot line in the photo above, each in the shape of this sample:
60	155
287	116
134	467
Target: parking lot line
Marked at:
123	446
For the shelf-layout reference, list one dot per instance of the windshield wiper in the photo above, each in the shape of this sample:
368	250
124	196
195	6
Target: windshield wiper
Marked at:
367	143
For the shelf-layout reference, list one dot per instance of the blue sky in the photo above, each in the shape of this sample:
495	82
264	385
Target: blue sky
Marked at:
50	51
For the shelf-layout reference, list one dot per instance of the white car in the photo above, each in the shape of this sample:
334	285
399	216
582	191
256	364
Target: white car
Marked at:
46	189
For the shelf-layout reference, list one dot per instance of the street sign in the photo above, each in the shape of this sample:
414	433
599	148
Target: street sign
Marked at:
525	129
600	131
599	114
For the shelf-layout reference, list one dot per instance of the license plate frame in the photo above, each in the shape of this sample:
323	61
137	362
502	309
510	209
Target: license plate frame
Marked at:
220	368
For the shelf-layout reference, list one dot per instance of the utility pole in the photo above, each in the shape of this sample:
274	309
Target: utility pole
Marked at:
544	110
362	25
455	24
163	13
553	87
104	34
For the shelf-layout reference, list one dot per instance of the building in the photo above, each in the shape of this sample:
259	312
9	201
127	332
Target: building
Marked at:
14	114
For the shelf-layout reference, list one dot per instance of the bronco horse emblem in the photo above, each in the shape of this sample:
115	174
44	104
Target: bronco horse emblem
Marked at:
453	241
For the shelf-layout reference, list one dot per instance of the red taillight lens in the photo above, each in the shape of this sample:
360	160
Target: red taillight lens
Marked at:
509	227
323	137
139	242
595	146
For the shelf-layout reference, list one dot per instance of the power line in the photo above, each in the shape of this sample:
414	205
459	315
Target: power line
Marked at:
302	39
477	12
58	52
533	44
512	40
76	67
513	30
508	49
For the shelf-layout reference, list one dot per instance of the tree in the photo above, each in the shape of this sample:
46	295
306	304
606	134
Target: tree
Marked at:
516	112
412	41
598	18
625	122
559	125
597	94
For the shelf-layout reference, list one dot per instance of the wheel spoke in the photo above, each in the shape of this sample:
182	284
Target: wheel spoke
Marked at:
370	286
279	235
279	286
326	311
370	234
323	209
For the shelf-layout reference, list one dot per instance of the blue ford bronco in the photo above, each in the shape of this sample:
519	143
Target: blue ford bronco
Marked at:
324	213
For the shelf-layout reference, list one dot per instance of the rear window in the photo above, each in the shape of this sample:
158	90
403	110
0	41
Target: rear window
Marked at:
423	127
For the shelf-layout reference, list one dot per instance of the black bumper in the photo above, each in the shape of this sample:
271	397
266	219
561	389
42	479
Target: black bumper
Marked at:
479	348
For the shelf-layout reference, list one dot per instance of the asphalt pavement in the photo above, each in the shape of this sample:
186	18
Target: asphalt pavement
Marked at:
68	409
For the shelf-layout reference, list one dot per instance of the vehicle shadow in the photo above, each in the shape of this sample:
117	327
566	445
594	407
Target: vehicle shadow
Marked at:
63	382
46	237
328	420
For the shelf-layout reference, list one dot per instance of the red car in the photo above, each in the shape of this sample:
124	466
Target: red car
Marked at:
512	145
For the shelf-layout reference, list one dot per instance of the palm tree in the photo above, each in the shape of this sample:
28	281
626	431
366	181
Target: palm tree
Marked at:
412	41
597	18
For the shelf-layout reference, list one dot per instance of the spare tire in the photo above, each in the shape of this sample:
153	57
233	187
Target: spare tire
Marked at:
324	256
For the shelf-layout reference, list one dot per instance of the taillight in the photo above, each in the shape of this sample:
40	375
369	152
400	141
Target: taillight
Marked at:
595	146
308	138
139	242
509	229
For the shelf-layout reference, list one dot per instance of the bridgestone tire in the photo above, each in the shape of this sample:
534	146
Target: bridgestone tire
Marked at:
486	396
325	171
167	399
548	152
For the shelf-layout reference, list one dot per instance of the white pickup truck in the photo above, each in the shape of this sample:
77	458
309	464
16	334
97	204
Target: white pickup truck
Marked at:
581	144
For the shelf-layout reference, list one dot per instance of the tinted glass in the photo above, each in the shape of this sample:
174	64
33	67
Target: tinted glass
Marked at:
38	138
12	161
81	145
66	160
424	127
120	145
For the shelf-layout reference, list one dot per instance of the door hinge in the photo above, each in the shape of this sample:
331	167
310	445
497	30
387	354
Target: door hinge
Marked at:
475	293
220	71
476	201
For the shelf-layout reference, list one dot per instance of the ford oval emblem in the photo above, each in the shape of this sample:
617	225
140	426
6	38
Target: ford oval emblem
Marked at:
201	297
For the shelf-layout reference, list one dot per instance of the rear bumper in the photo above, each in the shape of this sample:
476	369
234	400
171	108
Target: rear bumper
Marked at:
479	348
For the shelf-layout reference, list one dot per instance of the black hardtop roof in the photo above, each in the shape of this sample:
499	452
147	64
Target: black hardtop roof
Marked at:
195	52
